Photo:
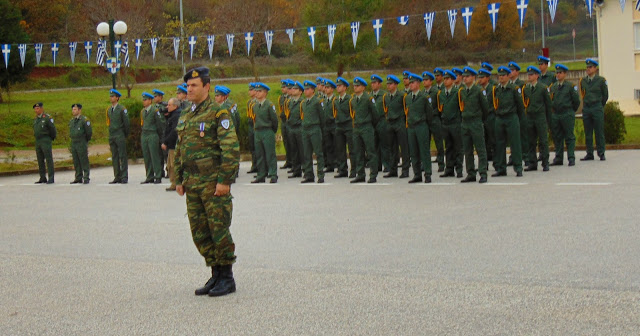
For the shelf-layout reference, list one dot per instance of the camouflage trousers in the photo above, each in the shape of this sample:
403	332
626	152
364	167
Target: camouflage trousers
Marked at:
210	218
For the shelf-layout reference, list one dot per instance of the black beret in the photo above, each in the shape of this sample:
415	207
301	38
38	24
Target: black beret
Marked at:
196	73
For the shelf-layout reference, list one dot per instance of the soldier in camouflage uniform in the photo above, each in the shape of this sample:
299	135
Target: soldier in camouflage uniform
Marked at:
564	103
118	123
80	133
595	93
152	123
205	167
45	132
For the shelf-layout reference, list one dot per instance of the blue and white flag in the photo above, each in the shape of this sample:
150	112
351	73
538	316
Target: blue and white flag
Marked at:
211	39
466	17
290	32
553	5
493	14
453	14
6	50
355	28
154	44
116	49
622	3
268	36
248	38
176	46
125	53
589	6
138	45
72	51
331	30
377	28
311	31
428	23
522	10
403	20
638	5
101	53
113	65
230	43
38	47
23	52
54	51
88	45
192	45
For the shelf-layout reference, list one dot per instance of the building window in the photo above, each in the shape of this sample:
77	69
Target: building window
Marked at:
636	30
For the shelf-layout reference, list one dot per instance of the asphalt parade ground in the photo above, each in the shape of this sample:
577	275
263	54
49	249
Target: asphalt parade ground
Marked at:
551	253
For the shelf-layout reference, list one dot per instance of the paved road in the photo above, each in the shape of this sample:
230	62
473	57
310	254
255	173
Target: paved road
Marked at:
548	254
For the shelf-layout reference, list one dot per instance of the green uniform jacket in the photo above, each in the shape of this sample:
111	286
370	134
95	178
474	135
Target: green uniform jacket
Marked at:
43	127
487	92
548	78
508	100
448	107
266	117
439	86
328	105
209	158
312	112
417	109
118	121
518	82
363	110
282	100
80	129
342	114
393	106
432	95
473	104
564	97
380	114
294	112
232	107
152	120
595	92
537	101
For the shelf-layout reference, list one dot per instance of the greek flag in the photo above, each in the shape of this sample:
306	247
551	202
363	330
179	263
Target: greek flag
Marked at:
248	37
403	20
54	51
138	45
522	10
493	14
466	16
268	36
355	27
154	44
428	22
88	45
453	13
6	50
377	28
72	51
192	44
290	32
311	31
331	29
622	3
230	43
38	47
210	40
589	6
638	5
176	46
101	53
553	5
23	52
116	46
125	53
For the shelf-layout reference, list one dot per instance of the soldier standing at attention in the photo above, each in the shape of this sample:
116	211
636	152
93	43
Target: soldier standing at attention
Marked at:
595	93
564	103
439	73
80	133
312	116
282	102
160	105
487	66
363	112
393	106
294	123
514	78
435	129
222	98
484	80
206	163
419	112
474	108
448	106
507	102
537	106
329	128
344	130
319	88
169	139
45	132
152	123
382	127
118	122
405	81
250	129
181	94
266	126
457	84
546	77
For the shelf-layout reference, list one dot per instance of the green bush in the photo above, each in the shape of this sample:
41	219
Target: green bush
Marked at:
134	146
614	128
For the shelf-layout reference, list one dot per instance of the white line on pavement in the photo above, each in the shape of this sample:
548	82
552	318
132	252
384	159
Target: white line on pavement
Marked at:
584	184
438	184
506	184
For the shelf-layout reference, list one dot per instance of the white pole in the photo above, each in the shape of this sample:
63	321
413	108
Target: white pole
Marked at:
182	37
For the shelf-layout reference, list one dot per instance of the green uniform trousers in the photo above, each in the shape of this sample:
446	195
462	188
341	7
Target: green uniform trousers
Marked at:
452	135
284	131
44	153
524	139
344	138
473	136
151	154
329	147
383	145
118	146
562	125
399	144
538	133
490	135
419	148
436	132
265	153
297	149
80	154
312	143
507	129
210	219
593	119
252	145
364	142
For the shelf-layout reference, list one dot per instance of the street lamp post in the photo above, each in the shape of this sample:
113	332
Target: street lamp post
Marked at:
112	29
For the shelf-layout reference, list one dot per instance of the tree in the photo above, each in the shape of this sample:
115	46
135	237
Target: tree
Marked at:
12	31
508	34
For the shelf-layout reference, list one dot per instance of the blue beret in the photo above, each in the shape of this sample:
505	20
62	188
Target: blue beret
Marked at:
591	61
114	92
309	84
561	67
196	73
393	78
457	71
438	71
359	81
486	65
375	78
414	78
542	59
428	74
157	92
342	81
531	70
298	85
330	83
261	86
405	74
290	83
283	82
146	95
181	88
222	90
484	73
449	74
468	71
514	66
503	70
252	85
319	80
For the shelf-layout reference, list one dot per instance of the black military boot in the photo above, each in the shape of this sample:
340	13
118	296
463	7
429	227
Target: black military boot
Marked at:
210	283
225	283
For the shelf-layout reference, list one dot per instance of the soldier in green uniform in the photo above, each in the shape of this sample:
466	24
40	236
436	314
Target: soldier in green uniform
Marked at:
382	126
564	103
537	106
266	126
80	133
170	137
118	123
152	130
595	93
282	102
181	94
319	88
250	128
546	77
344	130
514	78
448	107
418	111
329	127
45	132
488	67
435	129
205	166
222	98
439	74
405	81
294	123
507	102
484	80
362	108
161	105
457	84
475	109
393	106
312	116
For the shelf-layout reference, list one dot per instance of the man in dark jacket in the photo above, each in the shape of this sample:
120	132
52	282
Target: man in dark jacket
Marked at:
170	137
